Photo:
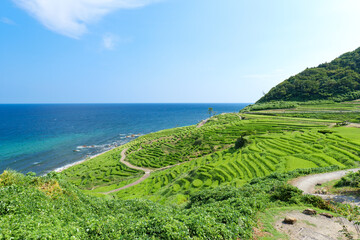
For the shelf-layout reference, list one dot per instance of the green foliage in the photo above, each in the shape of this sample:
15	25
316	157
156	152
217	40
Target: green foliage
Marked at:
264	155
101	171
350	180
27	211
270	105
210	111
286	193
240	142
338	80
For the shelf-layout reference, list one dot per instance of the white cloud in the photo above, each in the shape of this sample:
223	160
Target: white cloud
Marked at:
7	21
109	41
71	17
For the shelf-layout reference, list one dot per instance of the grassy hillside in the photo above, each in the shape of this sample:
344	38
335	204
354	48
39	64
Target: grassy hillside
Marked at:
51	208
338	80
215	192
348	111
208	157
203	182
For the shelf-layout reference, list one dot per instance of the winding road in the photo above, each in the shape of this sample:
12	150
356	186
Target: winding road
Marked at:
146	175
308	183
147	171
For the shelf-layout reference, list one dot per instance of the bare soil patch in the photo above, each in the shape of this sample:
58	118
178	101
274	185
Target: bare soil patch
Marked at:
316	227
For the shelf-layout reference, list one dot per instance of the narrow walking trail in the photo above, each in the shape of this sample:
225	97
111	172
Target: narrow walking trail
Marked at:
146	170
202	123
146	175
308	183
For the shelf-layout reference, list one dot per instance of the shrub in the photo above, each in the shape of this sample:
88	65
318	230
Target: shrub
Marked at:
240	142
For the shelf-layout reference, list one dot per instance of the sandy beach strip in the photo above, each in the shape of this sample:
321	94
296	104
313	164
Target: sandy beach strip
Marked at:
60	169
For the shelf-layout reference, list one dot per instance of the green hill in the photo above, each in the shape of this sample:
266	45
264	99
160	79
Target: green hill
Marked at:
211	181
338	80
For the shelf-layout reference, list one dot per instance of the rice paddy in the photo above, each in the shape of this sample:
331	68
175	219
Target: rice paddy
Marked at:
208	158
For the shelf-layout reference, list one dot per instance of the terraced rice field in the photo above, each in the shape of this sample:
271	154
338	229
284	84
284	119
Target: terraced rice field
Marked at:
103	170
265	154
208	157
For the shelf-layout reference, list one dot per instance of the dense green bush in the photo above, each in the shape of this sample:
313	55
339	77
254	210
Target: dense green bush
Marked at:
350	180
29	210
240	142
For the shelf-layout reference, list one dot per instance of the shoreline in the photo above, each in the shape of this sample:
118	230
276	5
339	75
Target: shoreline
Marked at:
60	169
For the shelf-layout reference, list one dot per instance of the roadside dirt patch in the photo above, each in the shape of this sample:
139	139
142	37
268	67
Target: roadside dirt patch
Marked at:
356	125
316	227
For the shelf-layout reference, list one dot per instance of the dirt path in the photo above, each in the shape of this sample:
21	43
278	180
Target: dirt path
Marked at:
356	125
202	123
308	183
146	170
316	227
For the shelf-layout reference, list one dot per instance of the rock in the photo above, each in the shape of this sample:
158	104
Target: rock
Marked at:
309	211
289	220
328	215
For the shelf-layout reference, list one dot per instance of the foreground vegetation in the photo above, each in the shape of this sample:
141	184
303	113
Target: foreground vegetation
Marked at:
208	181
350	180
223	174
51	208
215	193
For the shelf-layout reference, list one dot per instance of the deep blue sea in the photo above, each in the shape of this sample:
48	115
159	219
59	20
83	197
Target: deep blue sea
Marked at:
43	137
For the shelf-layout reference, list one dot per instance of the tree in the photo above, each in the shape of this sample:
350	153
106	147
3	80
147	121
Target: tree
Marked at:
210	111
240	142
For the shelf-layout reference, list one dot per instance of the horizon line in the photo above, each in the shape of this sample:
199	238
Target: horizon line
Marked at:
134	103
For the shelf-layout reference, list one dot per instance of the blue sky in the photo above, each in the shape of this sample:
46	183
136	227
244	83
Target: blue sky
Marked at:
119	51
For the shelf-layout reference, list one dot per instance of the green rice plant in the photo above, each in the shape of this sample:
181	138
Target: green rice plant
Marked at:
264	162
347	146
329	160
346	153
197	183
273	144
247	173
293	163
253	169
261	169
271	150
237	170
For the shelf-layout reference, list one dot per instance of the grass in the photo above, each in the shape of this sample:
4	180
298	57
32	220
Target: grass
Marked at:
325	110
295	163
278	142
49	207
101	172
277	152
350	134
208	159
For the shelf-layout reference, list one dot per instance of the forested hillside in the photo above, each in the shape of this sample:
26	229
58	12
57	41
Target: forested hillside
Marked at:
338	80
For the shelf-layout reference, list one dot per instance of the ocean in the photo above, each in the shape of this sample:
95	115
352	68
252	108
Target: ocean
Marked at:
44	137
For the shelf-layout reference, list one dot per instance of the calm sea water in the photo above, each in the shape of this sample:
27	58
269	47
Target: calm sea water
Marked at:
44	137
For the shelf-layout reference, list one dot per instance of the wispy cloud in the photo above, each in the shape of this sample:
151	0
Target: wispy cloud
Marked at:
71	17
7	21
109	41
